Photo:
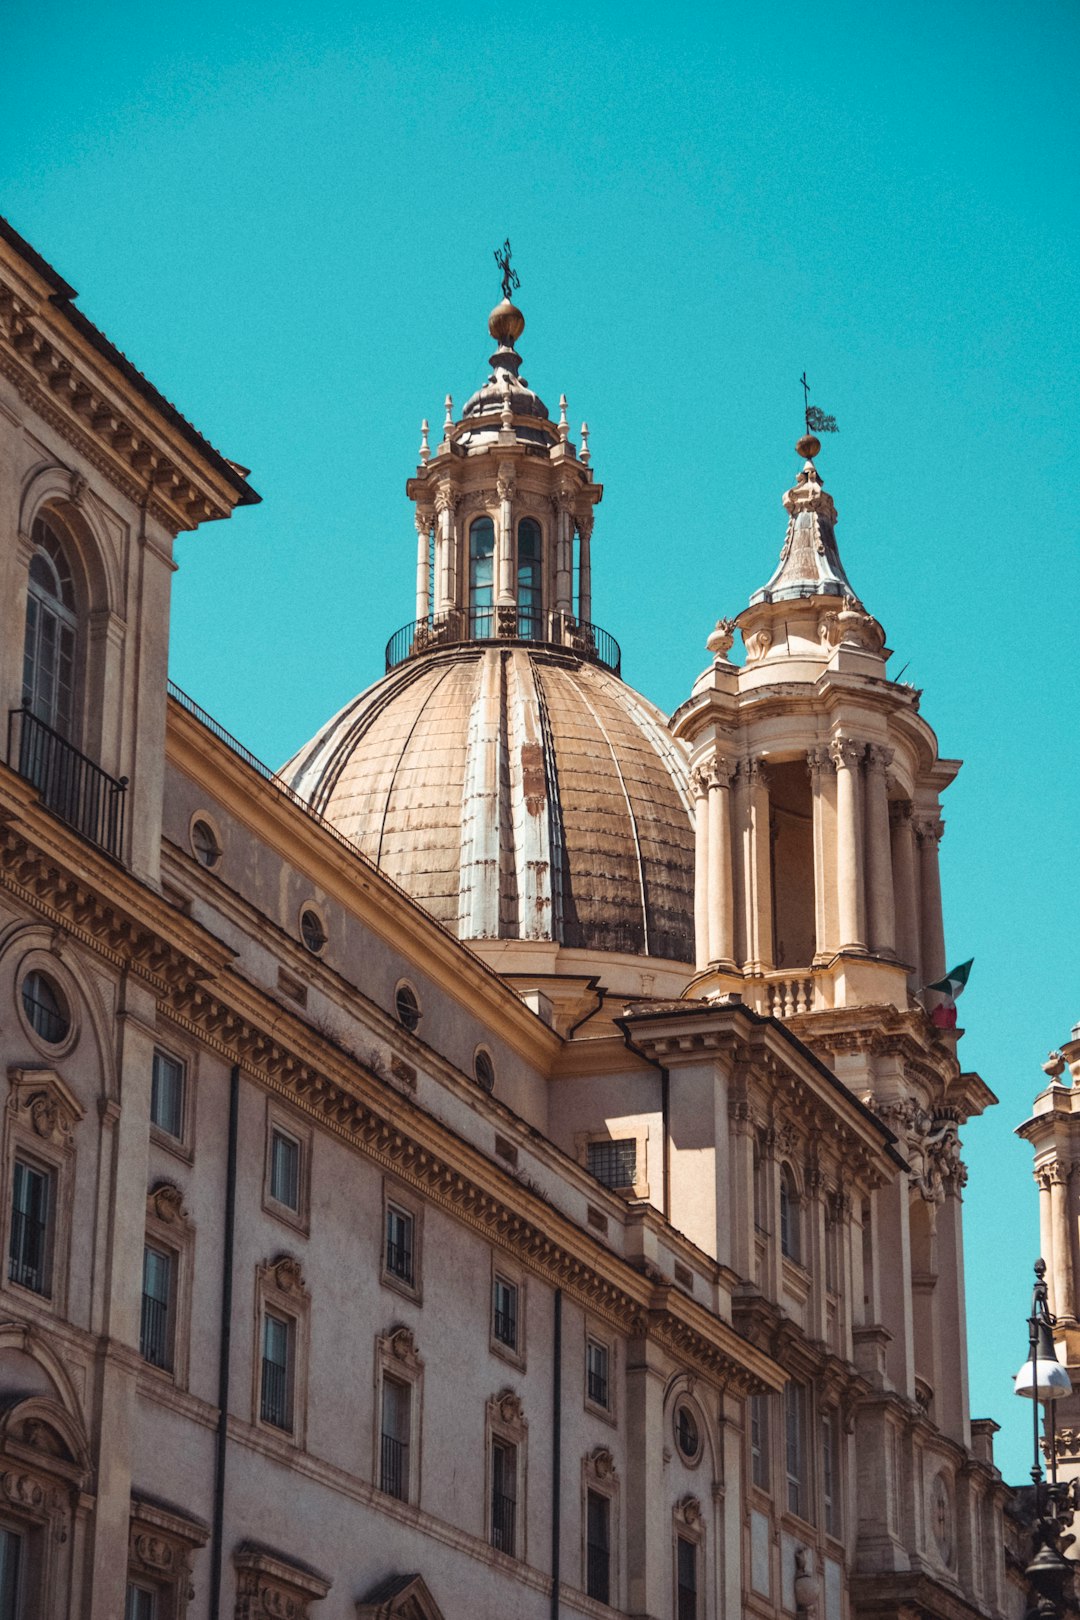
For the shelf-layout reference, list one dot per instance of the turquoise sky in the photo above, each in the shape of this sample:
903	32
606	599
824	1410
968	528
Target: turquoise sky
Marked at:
286	219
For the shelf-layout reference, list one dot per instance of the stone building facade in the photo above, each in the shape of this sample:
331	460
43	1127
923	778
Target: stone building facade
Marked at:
498	1164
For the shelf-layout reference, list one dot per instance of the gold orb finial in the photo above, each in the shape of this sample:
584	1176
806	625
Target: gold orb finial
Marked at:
808	447
506	323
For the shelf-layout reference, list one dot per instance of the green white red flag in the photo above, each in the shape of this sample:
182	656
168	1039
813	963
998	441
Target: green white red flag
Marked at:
951	986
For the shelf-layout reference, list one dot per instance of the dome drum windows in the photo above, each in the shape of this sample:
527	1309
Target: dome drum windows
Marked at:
530	594
313	930
481	578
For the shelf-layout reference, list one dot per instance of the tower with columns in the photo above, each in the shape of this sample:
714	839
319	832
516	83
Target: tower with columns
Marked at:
818	787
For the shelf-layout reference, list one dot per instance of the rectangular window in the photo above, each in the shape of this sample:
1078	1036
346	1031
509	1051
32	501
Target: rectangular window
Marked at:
167	1094
614	1163
795	1449
686	1570
503	1495
31	1209
155	1331
830	1480
759	1441
394	1439
275	1405
285	1169
832	1256
11	1548
598	1547
596	1373
505	1307
141	1603
399	1244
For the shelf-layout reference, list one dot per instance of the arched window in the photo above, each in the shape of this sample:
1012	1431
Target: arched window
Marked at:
529	589
482	576
789	1216
50	645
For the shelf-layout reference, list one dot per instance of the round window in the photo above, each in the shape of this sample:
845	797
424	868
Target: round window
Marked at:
484	1070
687	1437
45	1008
312	931
204	842
407	1007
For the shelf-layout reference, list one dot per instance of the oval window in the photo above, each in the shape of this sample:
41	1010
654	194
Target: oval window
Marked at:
687	1437
45	1008
407	1007
205	844
484	1070
312	931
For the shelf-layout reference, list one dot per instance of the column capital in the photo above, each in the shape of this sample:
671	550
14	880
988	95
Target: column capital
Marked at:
846	754
817	761
753	772
424	517
1058	1174
447	499
929	830
584	522
716	774
900	811
878	757
506	483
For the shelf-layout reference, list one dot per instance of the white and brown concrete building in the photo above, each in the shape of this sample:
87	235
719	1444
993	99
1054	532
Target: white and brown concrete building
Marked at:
497	1165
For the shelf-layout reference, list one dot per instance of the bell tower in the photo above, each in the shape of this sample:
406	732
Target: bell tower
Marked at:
818	788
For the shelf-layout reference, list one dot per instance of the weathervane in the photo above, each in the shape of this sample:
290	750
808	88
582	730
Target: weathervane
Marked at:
816	421
510	277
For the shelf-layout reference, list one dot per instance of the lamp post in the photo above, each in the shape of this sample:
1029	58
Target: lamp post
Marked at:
1042	1378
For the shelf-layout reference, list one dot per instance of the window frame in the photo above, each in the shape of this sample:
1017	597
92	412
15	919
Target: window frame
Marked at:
281	1122
40	1125
533	617
161	1545
602	1342
790	1212
396	1197
482	614
505	1426
688	1529
169	1228
178	1144
797	1483
281	1293
759	1419
69	617
618	1131
397	1358
599	1478
509	1276
47	966
830	1433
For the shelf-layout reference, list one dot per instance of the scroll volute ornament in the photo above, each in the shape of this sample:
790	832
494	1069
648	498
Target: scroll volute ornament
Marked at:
688	1512
601	1463
165	1203
287	1274
506	1409
401	1345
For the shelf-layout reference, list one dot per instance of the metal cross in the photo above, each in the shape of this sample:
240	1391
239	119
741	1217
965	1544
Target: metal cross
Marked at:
510	277
806	399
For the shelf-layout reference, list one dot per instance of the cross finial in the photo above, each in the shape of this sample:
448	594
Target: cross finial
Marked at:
816	420
510	277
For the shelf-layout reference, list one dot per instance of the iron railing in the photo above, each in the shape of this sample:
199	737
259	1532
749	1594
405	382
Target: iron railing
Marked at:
503	1519
503	624
597	1385
26	1253
70	784
598	1572
399	1260
154	1331
393	1467
274	1404
506	1326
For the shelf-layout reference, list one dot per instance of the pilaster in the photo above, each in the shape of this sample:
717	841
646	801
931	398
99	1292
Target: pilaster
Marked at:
928	831
879	876
905	889
846	755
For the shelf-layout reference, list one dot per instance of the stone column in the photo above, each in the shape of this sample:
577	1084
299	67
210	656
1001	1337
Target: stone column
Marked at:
931	927
1046	1236
757	866
879	876
584	528
699	781
721	912
820	767
1064	1296
564	573
905	889
847	755
505	583
424	520
446	502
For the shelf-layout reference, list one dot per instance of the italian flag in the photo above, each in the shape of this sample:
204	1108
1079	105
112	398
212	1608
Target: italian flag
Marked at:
951	986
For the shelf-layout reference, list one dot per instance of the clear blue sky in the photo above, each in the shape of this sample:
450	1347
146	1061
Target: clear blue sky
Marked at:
286	218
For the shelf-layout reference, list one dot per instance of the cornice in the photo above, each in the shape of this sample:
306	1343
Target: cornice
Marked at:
110	423
246	1026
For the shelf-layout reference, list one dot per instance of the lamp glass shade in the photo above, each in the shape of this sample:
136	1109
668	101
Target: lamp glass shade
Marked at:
1043	1380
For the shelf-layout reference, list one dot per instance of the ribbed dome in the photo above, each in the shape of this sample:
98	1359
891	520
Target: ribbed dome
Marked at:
517	793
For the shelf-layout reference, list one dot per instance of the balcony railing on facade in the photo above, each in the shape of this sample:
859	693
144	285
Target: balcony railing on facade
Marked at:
456	625
71	785
503	1520
393	1466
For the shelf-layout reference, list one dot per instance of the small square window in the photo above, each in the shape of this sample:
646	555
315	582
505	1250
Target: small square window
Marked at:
597	1387
167	1094
400	1229
31	1218
394	1438
156	1325
505	1308
285	1169
275	1405
613	1162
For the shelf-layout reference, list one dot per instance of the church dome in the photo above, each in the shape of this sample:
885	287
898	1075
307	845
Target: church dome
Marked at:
516	792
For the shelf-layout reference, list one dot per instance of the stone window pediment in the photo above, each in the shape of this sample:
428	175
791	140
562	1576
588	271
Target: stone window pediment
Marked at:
399	1597
41	1102
270	1586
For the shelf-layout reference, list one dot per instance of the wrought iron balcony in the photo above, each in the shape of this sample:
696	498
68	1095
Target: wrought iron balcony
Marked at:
70	784
501	624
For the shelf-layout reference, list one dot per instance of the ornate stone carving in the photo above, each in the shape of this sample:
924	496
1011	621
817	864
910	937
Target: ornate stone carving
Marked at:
931	1145
688	1512
600	1464
401	1345
584	521
851	626
757	644
507	621
818	760
846	754
424	518
447	499
721	639
165	1202
45	1105
900	811
269	1587
878	757
929	830
285	1273
506	1409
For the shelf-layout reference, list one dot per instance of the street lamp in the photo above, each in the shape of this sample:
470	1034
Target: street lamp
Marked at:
1042	1378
